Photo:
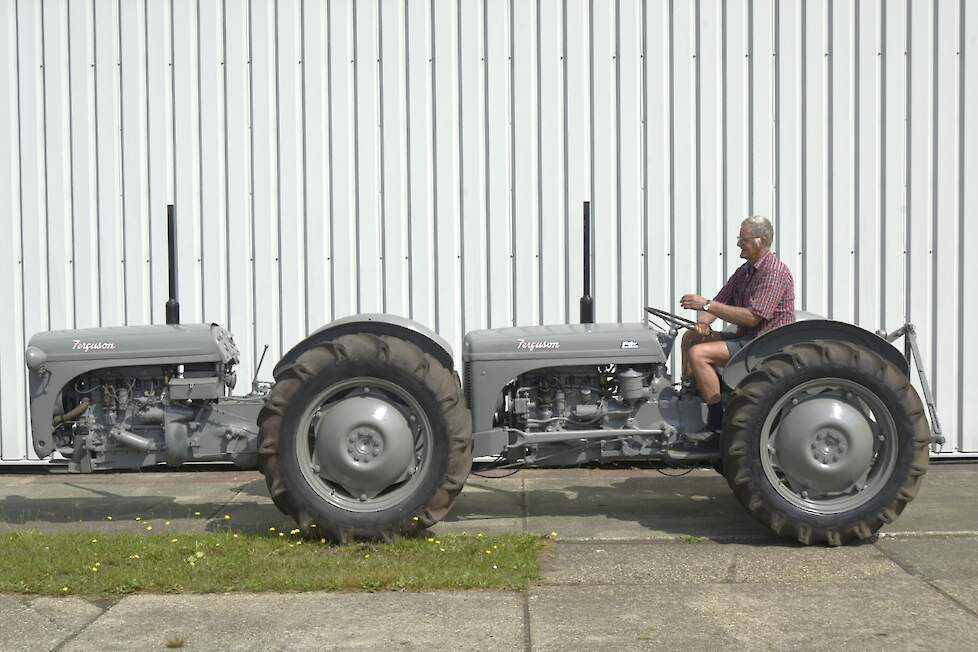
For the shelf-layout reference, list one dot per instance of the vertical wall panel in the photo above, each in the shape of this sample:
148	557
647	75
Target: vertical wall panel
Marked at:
13	390
430	158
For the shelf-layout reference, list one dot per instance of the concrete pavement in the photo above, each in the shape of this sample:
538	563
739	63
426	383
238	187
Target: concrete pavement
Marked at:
642	561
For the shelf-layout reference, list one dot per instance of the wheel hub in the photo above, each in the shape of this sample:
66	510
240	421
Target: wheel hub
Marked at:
824	445
363	444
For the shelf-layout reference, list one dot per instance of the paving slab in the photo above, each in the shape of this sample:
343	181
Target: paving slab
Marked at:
608	562
309	621
25	628
935	556
894	613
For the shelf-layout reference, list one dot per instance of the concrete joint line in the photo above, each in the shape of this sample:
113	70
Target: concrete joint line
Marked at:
81	629
913	572
527	641
225	505
525	503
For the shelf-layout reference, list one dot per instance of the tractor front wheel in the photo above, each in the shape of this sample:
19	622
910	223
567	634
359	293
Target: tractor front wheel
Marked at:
363	438
825	442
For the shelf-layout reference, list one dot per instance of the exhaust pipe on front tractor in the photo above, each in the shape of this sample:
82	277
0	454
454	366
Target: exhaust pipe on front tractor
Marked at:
172	305
587	303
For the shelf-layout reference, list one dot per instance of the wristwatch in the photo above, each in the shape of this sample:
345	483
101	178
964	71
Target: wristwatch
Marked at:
706	306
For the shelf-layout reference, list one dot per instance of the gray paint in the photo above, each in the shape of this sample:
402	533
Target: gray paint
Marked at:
133	346
493	358
429	159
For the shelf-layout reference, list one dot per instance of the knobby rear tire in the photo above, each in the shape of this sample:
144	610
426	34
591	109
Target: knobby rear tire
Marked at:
436	389
758	394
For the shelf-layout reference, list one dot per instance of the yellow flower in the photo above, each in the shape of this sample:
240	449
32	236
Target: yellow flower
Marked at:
488	552
133	556
442	549
139	518
367	556
227	517
312	525
199	555
431	539
98	563
94	569
299	543
295	531
166	522
94	540
271	529
322	541
64	589
281	534
107	518
553	535
235	535
173	540
196	513
149	527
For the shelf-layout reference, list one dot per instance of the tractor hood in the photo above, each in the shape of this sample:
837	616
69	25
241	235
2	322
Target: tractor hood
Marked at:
603	342
197	342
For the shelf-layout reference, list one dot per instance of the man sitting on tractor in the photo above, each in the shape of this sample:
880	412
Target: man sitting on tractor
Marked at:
758	297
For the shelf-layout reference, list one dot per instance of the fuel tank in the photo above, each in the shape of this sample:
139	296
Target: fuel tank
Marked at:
600	342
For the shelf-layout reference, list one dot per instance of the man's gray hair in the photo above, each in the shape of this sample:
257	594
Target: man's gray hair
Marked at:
760	227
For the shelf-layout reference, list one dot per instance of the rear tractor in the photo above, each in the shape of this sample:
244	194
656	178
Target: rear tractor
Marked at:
368	430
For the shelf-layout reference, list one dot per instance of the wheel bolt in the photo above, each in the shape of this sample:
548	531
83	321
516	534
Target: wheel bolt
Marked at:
881	438
315	468
363	498
366	390
412	418
794	401
804	495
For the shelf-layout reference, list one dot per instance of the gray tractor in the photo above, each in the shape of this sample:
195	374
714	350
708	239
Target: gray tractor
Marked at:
368	432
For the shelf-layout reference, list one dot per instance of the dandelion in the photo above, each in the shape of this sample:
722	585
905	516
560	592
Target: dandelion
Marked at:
46	548
94	540
488	552
295	531
133	556
149	527
494	567
271	529
199	554
139	518
292	545
281	534
431	539
414	518
312	525
553	535
442	549
235	535
64	589
98	563
367	556
166	523
173	540
193	563
323	541
227	517
299	543
108	518
94	569
479	535
196	513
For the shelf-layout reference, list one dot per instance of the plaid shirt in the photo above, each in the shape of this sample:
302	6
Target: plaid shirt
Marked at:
767	289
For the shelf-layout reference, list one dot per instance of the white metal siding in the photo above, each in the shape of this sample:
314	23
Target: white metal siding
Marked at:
429	158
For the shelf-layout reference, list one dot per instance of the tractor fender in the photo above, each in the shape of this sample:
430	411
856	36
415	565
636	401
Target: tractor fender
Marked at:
377	324
747	359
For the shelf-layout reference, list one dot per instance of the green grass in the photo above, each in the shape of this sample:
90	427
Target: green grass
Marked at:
117	564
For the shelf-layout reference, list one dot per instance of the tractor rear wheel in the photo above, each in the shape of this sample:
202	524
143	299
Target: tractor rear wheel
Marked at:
825	442
363	438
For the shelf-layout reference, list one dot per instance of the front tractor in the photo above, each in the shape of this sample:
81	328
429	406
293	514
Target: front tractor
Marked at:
369	432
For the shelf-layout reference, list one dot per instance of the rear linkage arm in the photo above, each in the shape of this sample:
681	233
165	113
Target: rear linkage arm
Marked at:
911	350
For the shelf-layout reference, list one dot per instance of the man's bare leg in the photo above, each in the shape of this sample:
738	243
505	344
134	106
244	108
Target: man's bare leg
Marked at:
704	359
692	338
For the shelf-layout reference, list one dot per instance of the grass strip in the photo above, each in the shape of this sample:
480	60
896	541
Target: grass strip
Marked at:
118	564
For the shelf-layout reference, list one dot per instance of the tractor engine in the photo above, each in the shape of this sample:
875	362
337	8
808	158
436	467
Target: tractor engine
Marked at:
583	398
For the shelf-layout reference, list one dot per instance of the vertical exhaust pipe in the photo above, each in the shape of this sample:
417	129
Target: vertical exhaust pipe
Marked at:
587	303
172	305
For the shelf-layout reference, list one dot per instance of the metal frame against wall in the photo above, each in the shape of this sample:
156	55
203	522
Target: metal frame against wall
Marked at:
429	158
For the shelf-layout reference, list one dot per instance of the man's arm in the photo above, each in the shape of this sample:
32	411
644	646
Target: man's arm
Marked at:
733	314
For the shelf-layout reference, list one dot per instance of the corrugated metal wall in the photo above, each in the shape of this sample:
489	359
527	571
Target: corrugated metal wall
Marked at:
429	158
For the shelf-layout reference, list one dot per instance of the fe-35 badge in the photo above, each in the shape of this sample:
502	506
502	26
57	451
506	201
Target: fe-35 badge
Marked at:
629	344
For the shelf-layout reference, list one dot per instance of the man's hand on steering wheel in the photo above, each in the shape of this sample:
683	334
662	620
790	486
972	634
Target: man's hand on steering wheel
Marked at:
693	302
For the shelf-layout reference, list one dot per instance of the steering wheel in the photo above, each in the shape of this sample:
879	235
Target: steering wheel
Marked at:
669	318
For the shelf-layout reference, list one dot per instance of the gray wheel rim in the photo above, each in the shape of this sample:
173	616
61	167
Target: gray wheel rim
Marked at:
819	459
326	483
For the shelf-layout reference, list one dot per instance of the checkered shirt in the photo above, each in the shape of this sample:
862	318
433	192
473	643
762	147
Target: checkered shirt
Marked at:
767	289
